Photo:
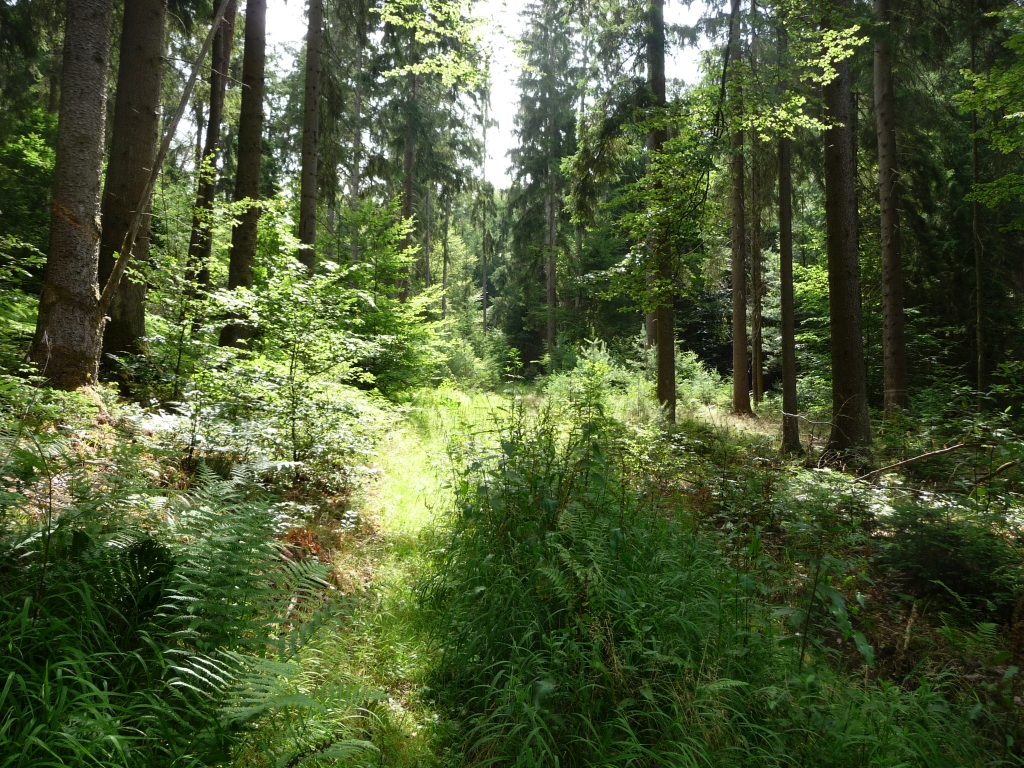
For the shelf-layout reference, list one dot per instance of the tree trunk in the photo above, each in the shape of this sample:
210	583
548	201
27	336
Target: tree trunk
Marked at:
444	257
133	147
756	279
790	407
357	137
68	336
740	386
894	345
408	166
551	266
483	266
250	152
851	425
426	242
200	244
664	316
310	136
976	242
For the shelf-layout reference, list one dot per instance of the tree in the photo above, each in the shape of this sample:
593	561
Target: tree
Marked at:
133	148
851	425
790	405
756	278
201	242
894	345
790	420
68	336
545	129
740	385
664	274
310	136
250	151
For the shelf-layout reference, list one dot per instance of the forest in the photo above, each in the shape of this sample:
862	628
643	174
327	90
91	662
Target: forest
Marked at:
691	437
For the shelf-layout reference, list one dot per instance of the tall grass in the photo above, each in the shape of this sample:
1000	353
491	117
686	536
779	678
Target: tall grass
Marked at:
583	619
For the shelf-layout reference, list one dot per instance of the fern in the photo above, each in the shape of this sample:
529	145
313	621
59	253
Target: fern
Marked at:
129	638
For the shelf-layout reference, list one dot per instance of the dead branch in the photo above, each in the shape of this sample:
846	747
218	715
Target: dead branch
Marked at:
993	473
915	459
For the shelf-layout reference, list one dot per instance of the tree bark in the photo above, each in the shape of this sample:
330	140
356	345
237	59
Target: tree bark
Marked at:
551	267
444	257
790	421
200	244
756	278
408	167
664	315
483	265
894	345
133	147
68	336
851	425
976	242
426	242
357	137
740	384
310	136
250	153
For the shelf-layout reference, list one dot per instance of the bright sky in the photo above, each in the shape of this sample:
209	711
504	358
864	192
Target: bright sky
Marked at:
286	26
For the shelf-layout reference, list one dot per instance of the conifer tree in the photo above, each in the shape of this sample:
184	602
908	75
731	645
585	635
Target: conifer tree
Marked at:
133	148
68	336
250	153
545	128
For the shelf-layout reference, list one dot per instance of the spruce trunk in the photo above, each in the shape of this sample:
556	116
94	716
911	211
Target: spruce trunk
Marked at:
310	136
200	244
69	331
551	266
133	148
250	153
790	407
851	426
426	242
664	316
740	385
894	345
444	257
756	279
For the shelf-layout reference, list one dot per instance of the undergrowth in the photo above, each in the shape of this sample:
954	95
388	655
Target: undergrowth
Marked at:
144	626
593	605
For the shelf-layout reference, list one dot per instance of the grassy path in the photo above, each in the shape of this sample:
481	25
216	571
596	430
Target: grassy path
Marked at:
384	644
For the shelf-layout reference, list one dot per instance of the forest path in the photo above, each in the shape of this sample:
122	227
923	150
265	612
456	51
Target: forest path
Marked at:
384	643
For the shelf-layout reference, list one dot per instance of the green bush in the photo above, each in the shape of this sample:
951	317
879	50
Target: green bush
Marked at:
583	620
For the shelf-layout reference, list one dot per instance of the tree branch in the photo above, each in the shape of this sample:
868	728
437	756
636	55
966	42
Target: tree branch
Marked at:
916	459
